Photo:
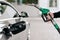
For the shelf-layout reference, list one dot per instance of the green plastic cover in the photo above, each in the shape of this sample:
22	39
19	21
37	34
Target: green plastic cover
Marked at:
44	11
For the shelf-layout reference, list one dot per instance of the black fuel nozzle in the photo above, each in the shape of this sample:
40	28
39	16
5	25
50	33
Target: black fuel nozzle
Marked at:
44	17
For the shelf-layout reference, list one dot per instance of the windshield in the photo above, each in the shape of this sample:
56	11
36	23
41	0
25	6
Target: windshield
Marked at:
8	13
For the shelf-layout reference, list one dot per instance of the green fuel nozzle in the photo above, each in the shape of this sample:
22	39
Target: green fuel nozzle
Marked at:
45	12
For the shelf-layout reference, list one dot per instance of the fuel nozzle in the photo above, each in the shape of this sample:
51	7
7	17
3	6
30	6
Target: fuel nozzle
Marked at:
44	14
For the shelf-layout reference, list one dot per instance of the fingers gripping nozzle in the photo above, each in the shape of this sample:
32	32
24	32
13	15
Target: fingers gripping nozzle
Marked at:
44	17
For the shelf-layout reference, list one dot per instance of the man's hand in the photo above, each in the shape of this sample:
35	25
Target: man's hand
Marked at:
48	16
